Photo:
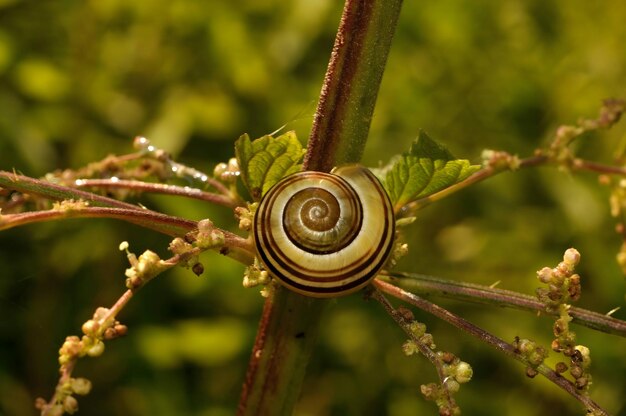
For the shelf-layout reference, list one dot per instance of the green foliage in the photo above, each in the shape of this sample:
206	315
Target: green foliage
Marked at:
426	168
266	160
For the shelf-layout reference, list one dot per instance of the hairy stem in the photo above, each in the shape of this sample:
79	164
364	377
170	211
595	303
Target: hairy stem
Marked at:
488	338
575	164
49	190
352	81
235	246
158	188
162	223
290	322
424	349
429	285
281	352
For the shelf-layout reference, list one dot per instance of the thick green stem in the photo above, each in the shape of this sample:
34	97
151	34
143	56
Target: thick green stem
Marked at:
284	343
290	322
352	81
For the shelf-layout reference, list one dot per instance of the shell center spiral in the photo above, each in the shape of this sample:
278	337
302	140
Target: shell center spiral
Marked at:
319	221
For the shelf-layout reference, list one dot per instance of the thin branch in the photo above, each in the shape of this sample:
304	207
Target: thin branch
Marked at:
162	223
488	338
430	285
49	190
581	164
424	349
158	188
235	246
533	161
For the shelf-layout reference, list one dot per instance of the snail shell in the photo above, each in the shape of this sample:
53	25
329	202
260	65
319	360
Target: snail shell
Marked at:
325	234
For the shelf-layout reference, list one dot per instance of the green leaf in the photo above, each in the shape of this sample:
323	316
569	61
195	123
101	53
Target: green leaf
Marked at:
266	160
427	168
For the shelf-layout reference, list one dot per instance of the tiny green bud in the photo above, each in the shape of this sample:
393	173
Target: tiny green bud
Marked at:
428	340
452	385
219	169
96	350
245	224
526	346
205	225
571	257
409	348
264	277
403	222
179	246
81	386
429	391
100	313
71	347
90	327
70	405
545	275
536	357
464	372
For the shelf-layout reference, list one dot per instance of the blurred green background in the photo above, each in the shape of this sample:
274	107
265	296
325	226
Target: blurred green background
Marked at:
79	79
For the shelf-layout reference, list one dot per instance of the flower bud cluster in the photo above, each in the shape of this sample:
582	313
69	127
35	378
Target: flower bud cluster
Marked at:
227	172
534	354
563	284
441	396
254	276
580	359
617	202
417	331
142	269
455	371
184	249
499	160
245	216
399	250
65	402
208	236
101	327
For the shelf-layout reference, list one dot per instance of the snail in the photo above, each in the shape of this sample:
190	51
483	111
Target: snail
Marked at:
325	234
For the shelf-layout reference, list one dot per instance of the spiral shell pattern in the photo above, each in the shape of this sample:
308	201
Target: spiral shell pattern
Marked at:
325	234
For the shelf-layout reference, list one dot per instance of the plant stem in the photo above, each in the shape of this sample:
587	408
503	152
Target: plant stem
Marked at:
488	338
290	322
430	285
158	188
49	190
281	352
352	81
166	224
423	348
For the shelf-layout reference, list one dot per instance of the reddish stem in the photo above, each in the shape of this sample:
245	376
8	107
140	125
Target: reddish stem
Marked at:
486	337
